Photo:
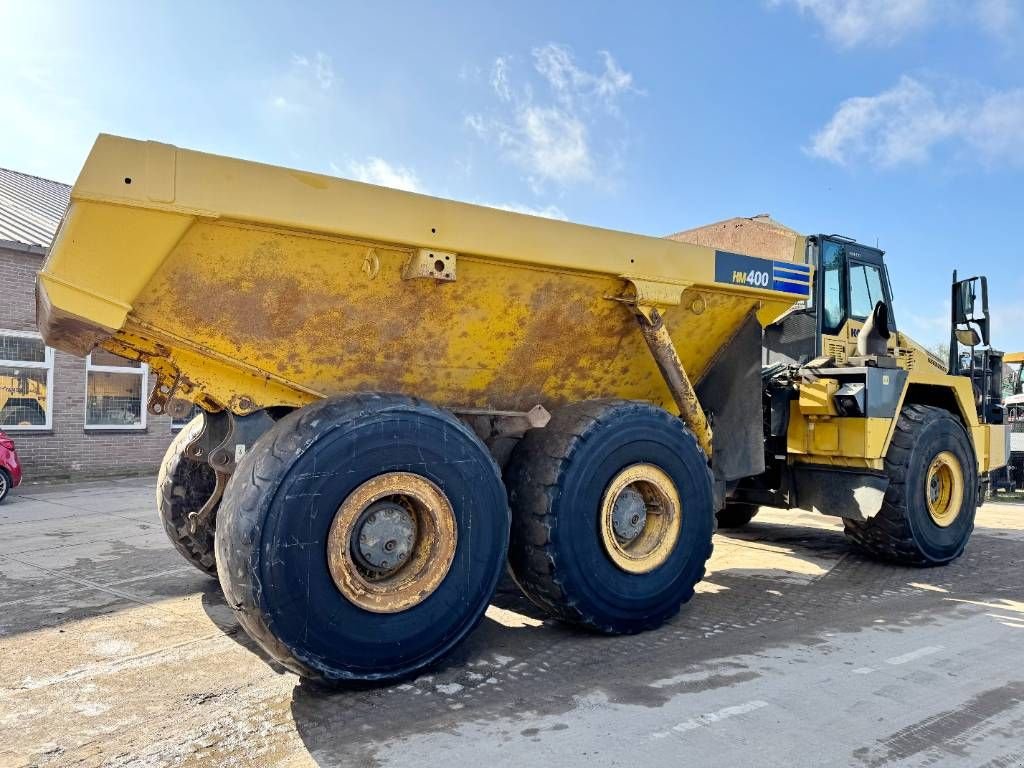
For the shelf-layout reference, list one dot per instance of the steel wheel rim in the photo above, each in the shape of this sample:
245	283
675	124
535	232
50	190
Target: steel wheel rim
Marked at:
410	581
3	484
658	534
944	489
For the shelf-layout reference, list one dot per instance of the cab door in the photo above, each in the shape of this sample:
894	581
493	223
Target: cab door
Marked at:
850	280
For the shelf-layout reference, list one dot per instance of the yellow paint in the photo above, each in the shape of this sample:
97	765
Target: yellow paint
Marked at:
245	285
20	389
816	397
658	530
944	489
817	436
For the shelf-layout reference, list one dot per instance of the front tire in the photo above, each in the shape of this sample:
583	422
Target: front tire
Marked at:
5	484
612	515
928	512
361	538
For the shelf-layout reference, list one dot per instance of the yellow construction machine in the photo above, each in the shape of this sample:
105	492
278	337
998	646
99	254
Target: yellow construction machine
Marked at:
399	392
1012	477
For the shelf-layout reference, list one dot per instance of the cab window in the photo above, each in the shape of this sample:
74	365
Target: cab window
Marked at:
833	314
865	289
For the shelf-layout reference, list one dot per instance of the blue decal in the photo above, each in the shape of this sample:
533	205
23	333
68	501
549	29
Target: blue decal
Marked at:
752	272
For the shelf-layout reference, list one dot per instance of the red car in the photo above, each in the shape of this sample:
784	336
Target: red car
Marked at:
10	469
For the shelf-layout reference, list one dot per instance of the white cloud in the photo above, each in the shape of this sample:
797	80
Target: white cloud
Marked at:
552	143
303	85
850	23
320	68
376	170
904	125
551	136
996	128
896	126
571	84
499	78
477	124
546	212
999	18
282	104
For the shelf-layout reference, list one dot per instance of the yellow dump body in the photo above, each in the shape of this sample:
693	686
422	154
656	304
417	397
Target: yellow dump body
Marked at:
245	286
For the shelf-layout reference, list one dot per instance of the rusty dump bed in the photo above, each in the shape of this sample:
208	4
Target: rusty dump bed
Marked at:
245	286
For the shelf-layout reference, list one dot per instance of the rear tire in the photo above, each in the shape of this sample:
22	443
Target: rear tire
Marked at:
559	479
908	529
736	515
182	487
5	484
287	571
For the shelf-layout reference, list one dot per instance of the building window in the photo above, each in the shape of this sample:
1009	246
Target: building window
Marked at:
114	392
26	381
182	422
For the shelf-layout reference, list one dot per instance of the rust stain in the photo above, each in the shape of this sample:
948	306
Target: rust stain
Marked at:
500	336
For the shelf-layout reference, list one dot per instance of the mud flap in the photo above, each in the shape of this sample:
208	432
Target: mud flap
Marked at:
839	493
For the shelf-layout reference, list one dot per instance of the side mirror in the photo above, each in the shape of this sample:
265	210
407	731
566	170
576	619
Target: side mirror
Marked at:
968	337
965	299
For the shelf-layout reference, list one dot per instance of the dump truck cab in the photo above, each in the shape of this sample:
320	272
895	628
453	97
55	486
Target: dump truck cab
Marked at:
851	278
838	375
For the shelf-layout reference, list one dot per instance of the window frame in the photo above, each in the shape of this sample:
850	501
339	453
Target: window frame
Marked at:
47	364
841	271
142	372
853	263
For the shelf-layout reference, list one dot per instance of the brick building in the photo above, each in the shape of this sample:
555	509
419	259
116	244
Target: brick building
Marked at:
68	417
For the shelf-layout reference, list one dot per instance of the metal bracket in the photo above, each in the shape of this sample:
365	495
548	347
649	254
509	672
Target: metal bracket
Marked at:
652	326
161	394
242	432
222	442
439	265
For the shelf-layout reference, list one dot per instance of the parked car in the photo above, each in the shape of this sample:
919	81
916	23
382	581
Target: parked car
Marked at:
10	468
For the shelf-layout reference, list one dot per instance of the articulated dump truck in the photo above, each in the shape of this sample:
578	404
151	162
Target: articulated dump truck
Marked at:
399	394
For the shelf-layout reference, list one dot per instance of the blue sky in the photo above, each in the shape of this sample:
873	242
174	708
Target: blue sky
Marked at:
896	121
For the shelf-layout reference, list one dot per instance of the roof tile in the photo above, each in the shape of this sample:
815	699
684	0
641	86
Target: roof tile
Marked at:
30	208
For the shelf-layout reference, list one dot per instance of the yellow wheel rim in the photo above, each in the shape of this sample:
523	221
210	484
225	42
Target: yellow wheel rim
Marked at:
640	518
944	489
391	542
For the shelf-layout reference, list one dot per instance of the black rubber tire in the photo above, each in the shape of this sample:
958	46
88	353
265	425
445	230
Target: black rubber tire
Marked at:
556	478
182	487
903	531
736	515
5	486
276	514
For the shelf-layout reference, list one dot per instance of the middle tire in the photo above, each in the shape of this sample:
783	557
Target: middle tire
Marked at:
613	514
736	514
361	538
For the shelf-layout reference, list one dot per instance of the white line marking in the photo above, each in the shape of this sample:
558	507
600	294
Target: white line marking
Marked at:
913	655
863	670
712	717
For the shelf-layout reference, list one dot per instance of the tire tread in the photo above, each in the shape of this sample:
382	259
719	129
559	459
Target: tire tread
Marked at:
533	476
888	535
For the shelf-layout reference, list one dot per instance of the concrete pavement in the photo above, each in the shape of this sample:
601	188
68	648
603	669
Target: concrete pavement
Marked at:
795	652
